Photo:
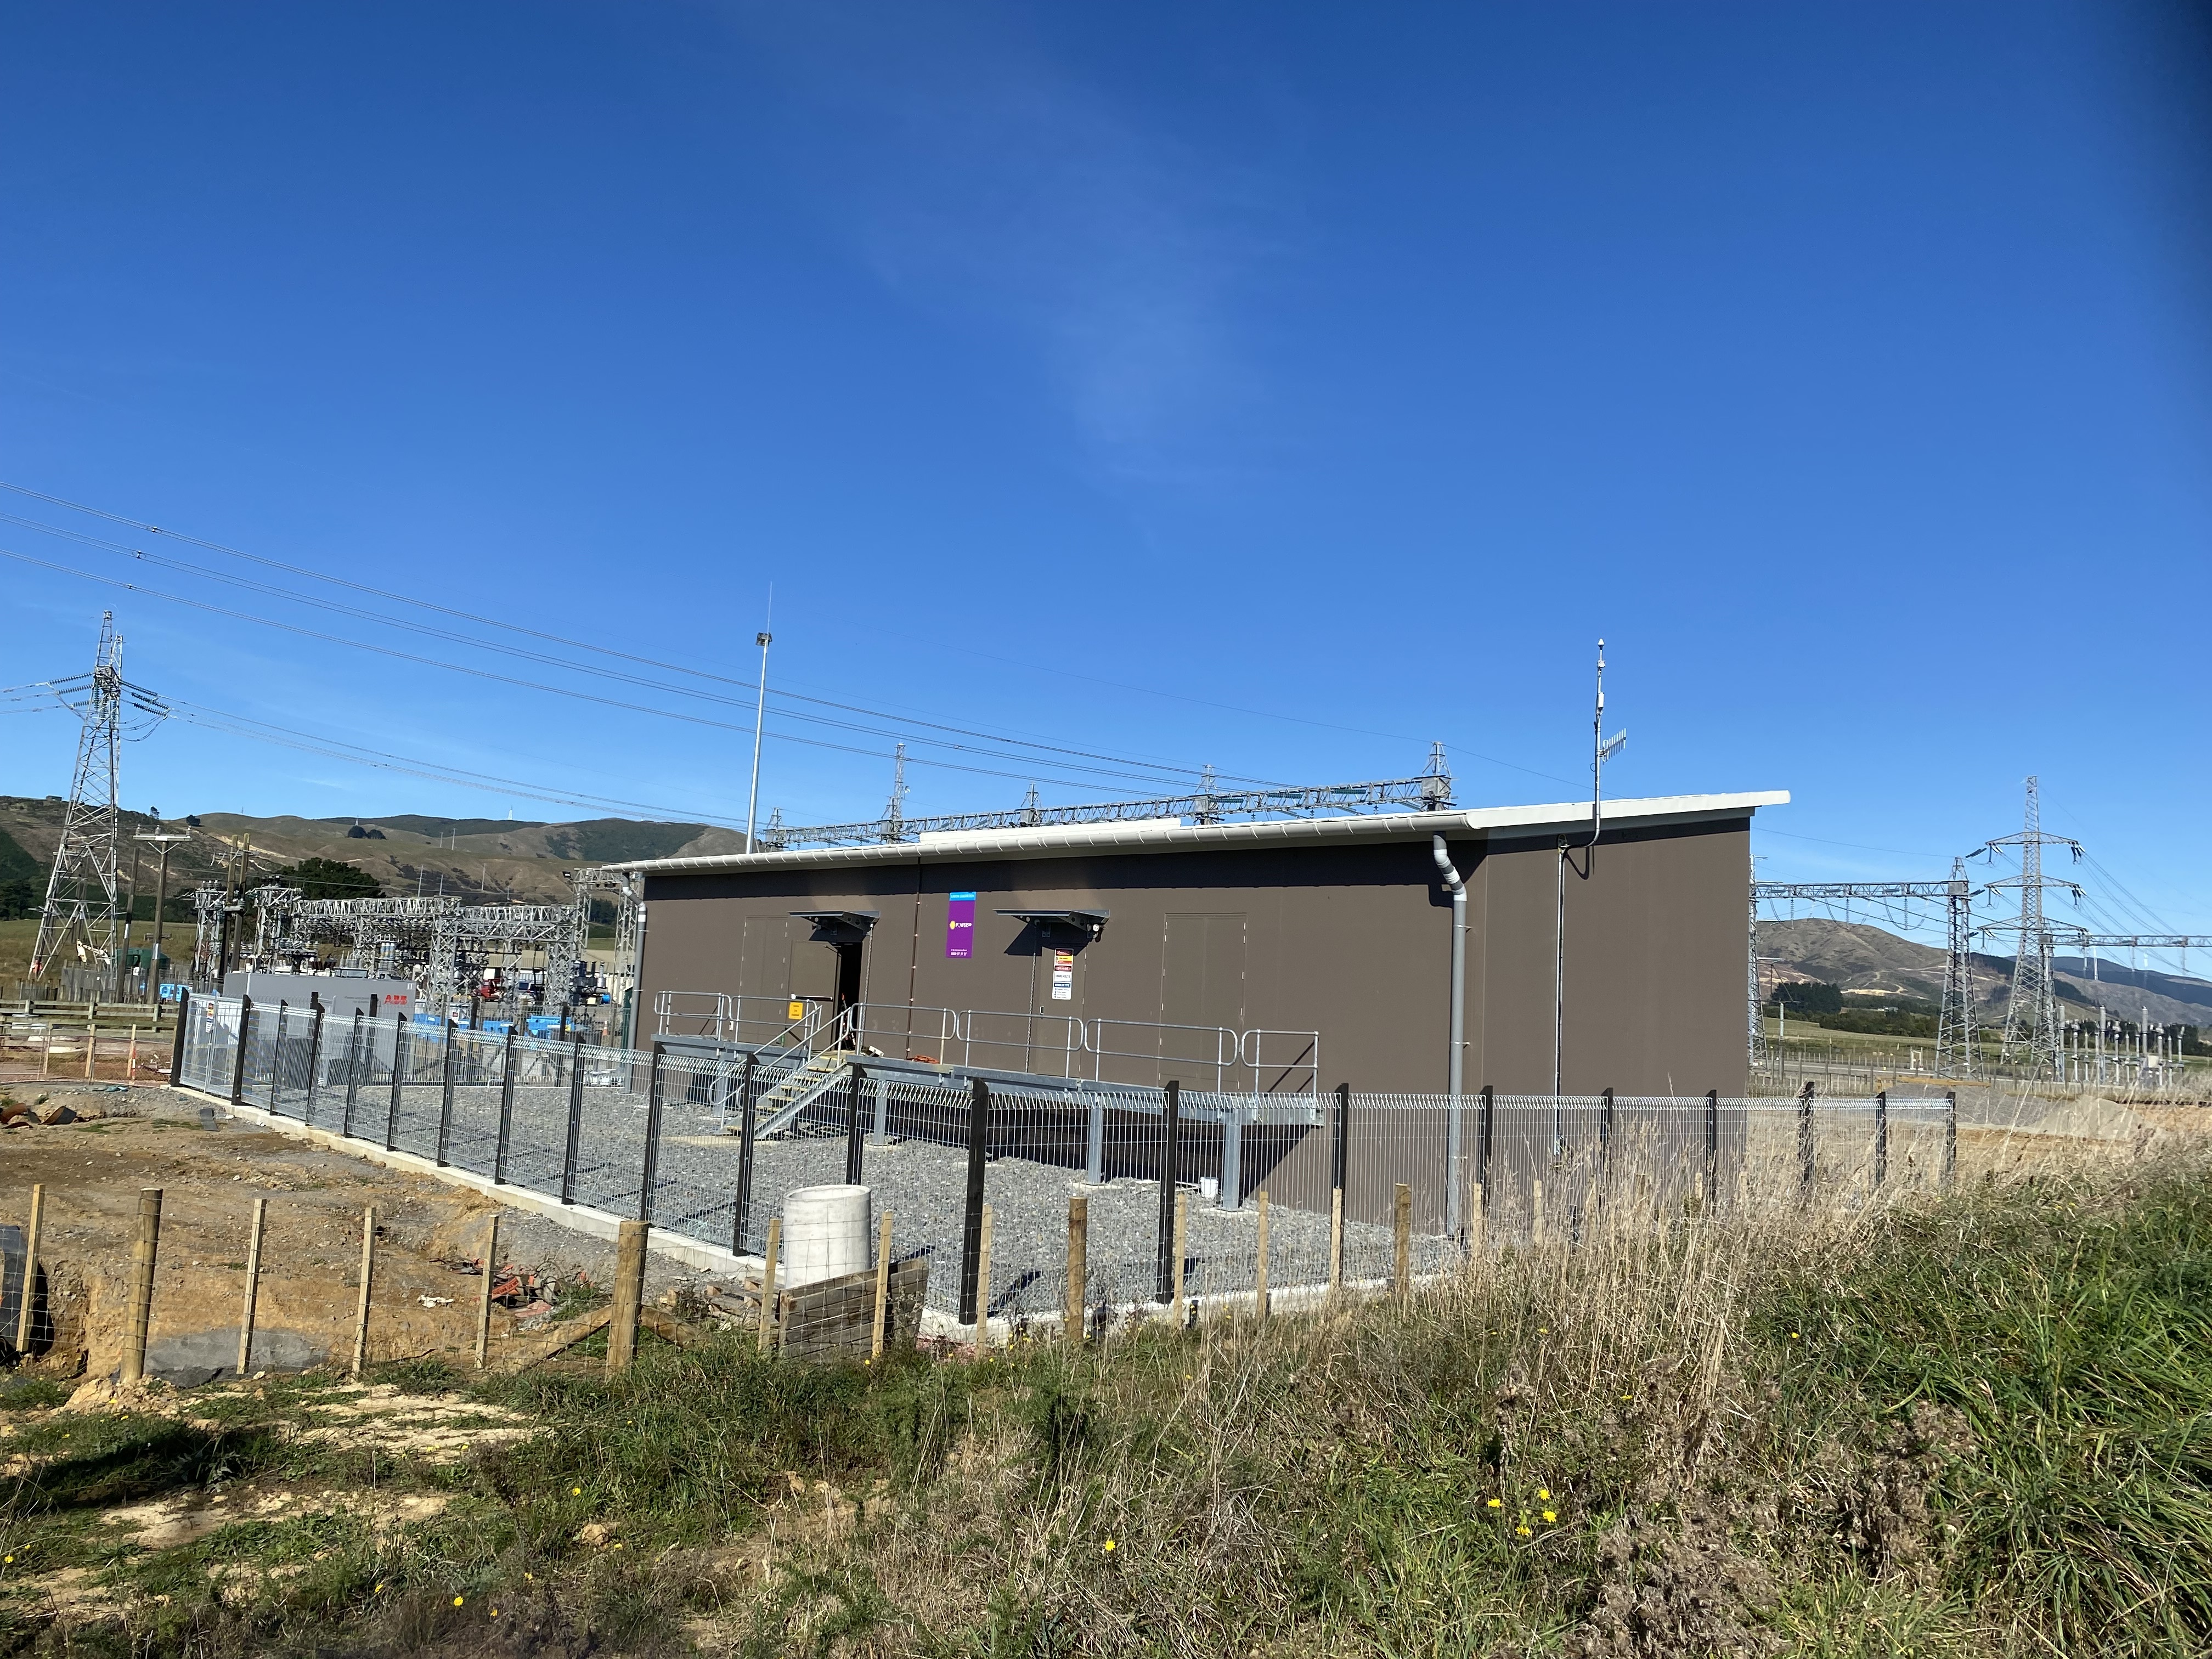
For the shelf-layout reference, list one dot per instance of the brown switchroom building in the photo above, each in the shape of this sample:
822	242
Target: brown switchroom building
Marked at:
1283	954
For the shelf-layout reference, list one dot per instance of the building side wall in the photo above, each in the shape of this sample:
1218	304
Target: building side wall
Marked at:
1351	941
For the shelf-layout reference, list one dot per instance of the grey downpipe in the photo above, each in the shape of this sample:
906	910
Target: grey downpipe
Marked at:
1455	1071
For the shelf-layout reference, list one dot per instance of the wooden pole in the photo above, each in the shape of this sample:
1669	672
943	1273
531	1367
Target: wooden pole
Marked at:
252	1284
1177	1256
143	1254
883	1277
1260	1262
130	1070
91	1047
1536	1213
1078	1265
47	1058
368	1275
767	1281
483	1307
984	1282
30	1272
1401	1270
1336	1240
629	1295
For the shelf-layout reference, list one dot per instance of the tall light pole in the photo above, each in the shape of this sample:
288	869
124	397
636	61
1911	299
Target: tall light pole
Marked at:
166	838
760	715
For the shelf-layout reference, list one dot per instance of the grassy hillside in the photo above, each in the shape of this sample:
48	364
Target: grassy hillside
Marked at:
476	859
1976	1428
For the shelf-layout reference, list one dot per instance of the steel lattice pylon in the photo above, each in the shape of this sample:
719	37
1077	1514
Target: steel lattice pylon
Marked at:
1954	1024
84	898
2031	1013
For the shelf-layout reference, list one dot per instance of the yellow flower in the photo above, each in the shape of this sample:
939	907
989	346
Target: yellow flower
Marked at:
495	1612
1793	1336
1110	1545
618	1543
1497	1502
1549	1516
378	1590
577	1492
457	1601
1543	1491
10	1562
1524	1531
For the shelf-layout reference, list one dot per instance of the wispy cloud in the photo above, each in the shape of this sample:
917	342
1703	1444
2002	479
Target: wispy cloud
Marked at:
980	177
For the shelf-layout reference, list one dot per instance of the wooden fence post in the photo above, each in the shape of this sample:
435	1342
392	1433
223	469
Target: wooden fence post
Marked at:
30	1271
252	1285
883	1277
983	1284
1881	1136
1401	1273
1180	1244
1260	1261
1950	1137
483	1307
971	1224
1169	1287
767	1281
368	1278
91	1047
1807	1156
1078	1267
629	1295
1339	1156
143	1254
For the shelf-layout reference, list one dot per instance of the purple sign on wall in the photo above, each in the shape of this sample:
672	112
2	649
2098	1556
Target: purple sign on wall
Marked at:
960	925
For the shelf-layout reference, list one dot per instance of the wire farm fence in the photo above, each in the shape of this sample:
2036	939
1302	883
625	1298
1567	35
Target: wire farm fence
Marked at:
707	1141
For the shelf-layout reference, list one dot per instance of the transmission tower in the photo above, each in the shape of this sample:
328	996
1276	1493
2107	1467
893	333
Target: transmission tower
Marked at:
84	891
2031	1014
1954	1022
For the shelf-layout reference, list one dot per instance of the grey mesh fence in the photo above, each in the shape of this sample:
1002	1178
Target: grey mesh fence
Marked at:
708	1139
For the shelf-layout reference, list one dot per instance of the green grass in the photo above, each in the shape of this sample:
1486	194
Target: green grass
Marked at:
1973	1428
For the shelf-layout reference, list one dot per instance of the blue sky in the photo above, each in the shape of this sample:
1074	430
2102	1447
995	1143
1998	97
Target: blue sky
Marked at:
1281	389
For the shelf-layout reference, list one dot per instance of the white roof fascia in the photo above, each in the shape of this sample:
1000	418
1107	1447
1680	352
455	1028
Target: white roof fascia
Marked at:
1063	839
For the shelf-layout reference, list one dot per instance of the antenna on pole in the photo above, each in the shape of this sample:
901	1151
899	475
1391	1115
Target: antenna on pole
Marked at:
763	639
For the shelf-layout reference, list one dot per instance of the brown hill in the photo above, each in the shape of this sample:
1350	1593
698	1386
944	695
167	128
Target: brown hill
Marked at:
480	860
1858	956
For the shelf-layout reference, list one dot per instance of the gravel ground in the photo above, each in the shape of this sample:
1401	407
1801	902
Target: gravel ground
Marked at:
922	1182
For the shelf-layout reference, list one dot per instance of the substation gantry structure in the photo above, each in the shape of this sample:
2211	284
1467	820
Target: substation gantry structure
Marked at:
1954	1024
444	944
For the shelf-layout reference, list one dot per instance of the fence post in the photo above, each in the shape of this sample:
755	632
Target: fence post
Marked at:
446	1098
1178	1270
506	1107
742	1211
1488	1145
353	1075
1808	1161
854	1146
177	1042
238	1067
1339	1153
629	1295
883	1282
23	1308
399	1078
368	1278
881	1134
1401	1261
1078	1266
1712	1147
1171	1161
1950	1136
277	1056
1259	1258
575	1123
252	1285
1231	1195
1094	1139
971	1226
1881	1136
982	1283
649	1176
1605	1126
144	1250
315	1054
767	1281
483	1302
